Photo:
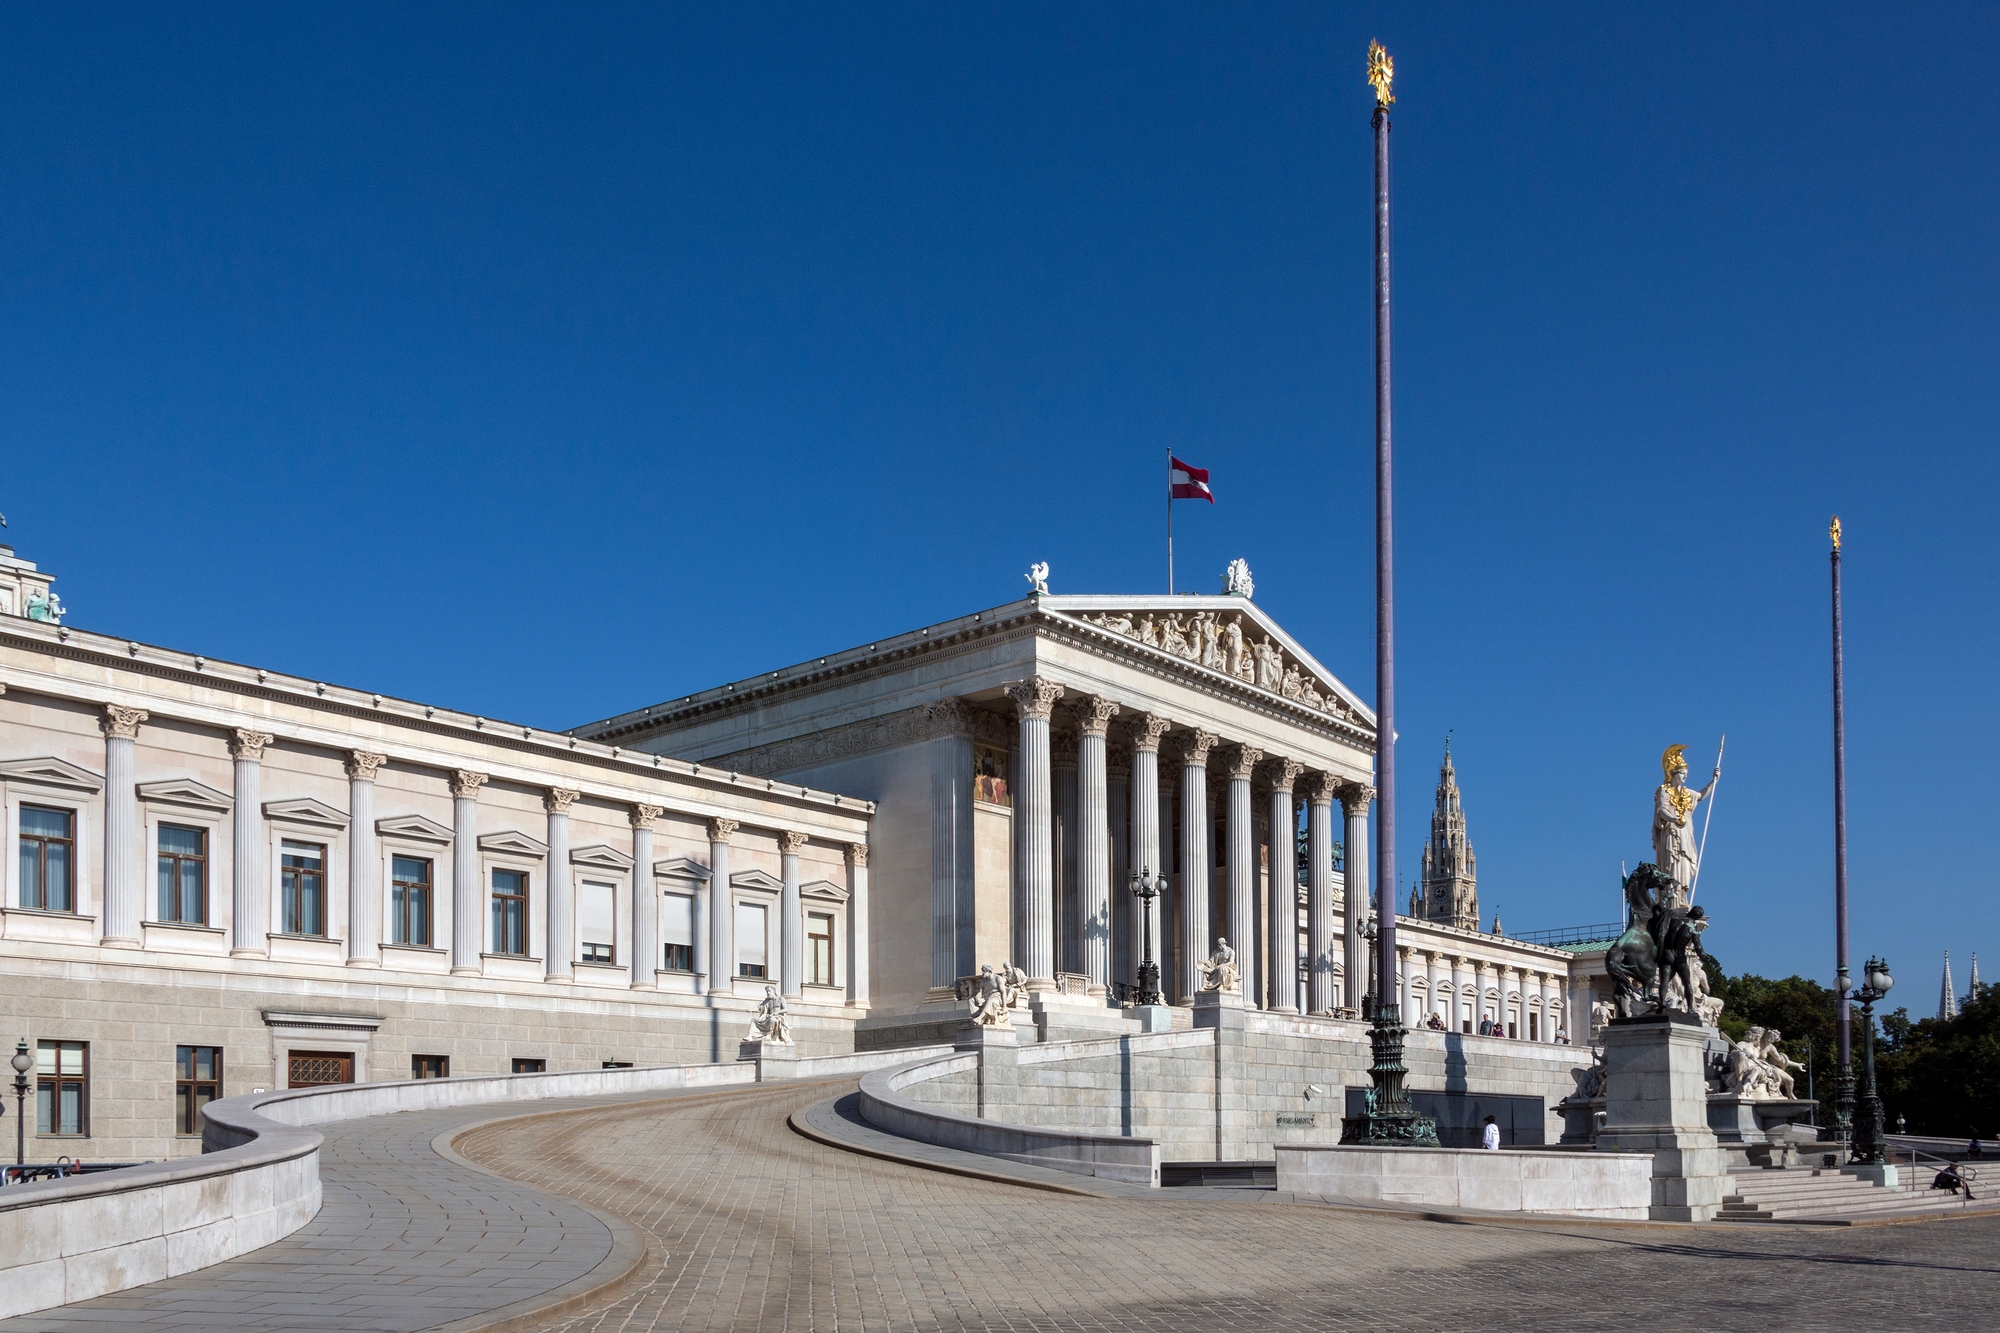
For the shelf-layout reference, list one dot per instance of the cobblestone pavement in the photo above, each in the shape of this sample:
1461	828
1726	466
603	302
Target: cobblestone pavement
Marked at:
755	1227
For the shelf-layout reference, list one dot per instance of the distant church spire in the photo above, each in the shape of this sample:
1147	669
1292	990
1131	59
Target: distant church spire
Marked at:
1973	992
1449	891
1947	997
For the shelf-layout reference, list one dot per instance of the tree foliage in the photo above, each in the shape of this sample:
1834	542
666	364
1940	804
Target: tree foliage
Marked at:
1944	1076
1799	1008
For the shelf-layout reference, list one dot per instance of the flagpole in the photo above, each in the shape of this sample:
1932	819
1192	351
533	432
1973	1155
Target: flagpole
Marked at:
1170	522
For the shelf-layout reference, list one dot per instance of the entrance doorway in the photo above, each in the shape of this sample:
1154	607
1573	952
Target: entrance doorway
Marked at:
313	1069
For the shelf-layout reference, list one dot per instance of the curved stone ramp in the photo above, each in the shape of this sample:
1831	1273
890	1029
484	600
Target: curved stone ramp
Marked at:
752	1225
409	1236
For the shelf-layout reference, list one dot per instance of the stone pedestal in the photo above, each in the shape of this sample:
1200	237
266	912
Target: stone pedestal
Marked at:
1656	1101
1224	1011
775	1059
1153	1017
999	1080
1880	1173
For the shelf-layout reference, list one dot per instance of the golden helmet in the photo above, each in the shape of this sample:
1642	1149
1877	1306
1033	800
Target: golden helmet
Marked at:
1670	759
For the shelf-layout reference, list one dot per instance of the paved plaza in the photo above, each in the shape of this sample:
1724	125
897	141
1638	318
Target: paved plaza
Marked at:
708	1211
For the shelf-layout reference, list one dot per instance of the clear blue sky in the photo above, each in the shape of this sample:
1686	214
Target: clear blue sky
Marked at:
547	362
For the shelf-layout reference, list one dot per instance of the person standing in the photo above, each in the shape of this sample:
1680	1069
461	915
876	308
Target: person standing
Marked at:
1489	1138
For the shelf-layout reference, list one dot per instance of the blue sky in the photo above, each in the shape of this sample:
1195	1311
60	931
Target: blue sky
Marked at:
547	362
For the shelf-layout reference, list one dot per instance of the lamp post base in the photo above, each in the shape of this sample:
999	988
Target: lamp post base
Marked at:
1388	1120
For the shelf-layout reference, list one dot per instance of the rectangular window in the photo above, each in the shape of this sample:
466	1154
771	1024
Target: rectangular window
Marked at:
526	1066
430	1066
597	922
410	900
303	865
183	875
316	1069
819	948
617	1064
197	1082
62	1088
677	929
48	859
752	941
510	912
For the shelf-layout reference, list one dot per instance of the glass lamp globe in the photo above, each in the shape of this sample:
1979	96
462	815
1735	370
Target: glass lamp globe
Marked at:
22	1061
1878	976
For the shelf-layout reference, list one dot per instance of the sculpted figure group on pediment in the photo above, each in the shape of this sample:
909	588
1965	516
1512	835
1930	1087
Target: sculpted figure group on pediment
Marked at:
1208	639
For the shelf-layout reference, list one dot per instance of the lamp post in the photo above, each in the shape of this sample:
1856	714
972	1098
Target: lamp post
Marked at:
1146	887
22	1063
1366	985
1868	1145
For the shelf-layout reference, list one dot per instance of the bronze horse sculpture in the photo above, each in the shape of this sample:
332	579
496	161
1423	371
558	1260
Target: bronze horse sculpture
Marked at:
1634	959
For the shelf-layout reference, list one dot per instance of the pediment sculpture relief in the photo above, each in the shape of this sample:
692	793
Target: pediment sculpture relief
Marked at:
1221	642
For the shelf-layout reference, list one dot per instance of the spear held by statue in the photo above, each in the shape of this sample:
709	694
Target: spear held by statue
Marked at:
1701	847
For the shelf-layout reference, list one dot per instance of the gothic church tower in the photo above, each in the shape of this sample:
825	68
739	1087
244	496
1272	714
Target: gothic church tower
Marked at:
1449	892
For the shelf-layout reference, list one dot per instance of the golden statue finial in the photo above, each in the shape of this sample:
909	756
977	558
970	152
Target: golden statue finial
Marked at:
1671	760
1381	71
1834	532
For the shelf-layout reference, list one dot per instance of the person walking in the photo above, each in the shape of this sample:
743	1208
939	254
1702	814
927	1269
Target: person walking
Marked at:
1489	1138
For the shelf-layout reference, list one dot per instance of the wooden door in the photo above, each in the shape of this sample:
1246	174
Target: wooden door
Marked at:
313	1069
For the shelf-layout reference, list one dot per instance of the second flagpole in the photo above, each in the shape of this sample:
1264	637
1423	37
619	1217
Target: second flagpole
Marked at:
1170	522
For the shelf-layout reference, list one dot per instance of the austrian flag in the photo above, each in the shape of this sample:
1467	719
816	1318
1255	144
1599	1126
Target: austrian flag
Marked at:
1187	483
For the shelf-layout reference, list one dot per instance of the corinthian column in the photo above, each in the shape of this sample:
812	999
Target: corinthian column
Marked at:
250	859
364	868
721	910
1147	728
1034	849
1284	926
646	958
791	922
1354	800
1196	942
121	827
1319	894
1241	868
1093	840
559	928
466	898
857	923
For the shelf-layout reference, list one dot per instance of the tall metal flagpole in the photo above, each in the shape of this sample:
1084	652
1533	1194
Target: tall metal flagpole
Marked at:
1170	521
1843	1103
1389	1118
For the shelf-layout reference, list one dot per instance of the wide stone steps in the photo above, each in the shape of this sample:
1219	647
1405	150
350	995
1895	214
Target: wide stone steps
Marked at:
1785	1195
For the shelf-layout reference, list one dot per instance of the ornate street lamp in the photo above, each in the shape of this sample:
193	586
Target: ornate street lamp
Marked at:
1869	1149
1146	887
22	1063
1364	983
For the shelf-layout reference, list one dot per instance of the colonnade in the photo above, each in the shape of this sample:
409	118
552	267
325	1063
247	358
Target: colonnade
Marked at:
1463	992
1082	817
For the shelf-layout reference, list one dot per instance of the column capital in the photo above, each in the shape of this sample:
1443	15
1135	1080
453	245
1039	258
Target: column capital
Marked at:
790	843
1195	745
1357	797
1062	749
465	784
558	800
1321	788
1241	762
361	764
721	830
1284	774
1094	713
857	853
120	722
949	717
1118	758
643	816
1035	696
1147	728
248	744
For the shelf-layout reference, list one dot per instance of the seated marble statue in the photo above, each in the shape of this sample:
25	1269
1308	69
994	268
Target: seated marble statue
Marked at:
1219	972
770	1022
996	992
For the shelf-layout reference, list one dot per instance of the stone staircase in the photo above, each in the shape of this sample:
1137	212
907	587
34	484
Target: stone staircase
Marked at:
1810	1193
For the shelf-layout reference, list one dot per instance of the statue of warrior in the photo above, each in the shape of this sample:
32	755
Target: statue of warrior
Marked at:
1673	818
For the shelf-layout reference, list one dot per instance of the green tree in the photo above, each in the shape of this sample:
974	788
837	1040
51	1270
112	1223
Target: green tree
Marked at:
1800	1009
1944	1076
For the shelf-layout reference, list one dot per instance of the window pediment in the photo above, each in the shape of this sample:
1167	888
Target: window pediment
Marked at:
681	867
762	880
187	792
513	843
304	810
50	771
823	890
600	856
413	828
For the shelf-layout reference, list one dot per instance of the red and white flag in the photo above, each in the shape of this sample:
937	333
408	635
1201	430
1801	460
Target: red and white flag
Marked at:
1187	483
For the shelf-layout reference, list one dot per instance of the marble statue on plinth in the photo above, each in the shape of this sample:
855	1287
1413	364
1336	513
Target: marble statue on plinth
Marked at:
1038	576
771	1023
1674	849
1219	972
1236	580
998	991
1757	1069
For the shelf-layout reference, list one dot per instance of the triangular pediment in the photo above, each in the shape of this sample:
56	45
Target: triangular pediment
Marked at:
1197	632
413	828
756	879
823	890
512	843
305	810
680	867
50	771
600	856
187	792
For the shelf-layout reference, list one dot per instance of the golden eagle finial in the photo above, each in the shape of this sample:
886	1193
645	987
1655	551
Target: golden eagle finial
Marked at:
1381	71
1834	532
